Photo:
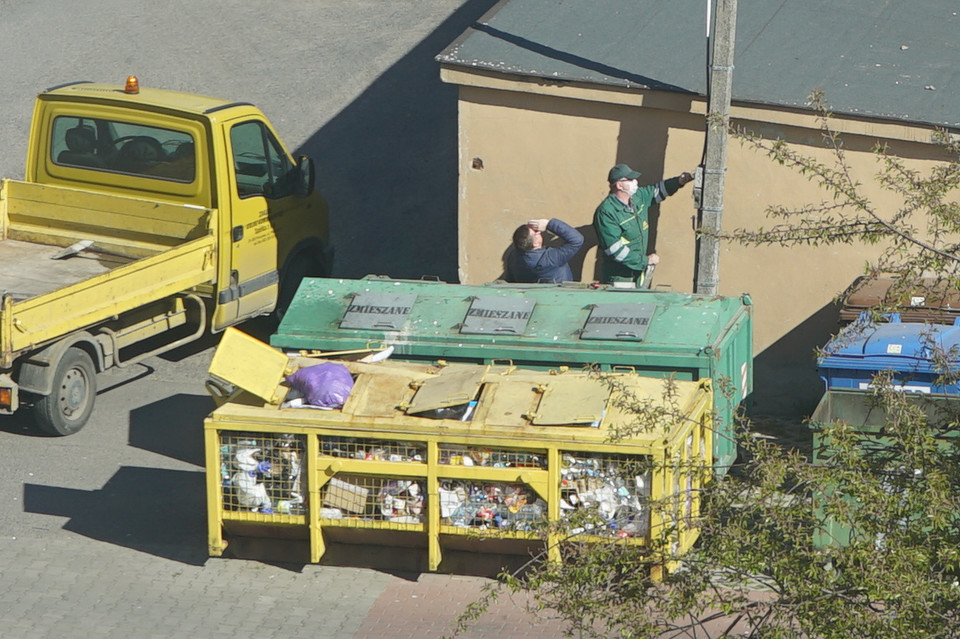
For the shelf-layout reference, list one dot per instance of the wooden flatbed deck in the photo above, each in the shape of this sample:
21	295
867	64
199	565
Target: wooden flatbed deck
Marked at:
28	269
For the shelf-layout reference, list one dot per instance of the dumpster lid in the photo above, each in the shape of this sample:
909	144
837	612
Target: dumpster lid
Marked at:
557	402
906	340
508	403
452	386
571	401
248	363
492	315
623	322
378	311
561	401
402	393
930	300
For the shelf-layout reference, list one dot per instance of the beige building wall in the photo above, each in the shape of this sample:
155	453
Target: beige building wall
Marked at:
530	149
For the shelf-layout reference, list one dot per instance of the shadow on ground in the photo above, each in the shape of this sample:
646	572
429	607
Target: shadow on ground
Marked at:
156	511
172	427
20	423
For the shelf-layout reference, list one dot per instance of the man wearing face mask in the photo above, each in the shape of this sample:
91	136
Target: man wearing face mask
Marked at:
622	227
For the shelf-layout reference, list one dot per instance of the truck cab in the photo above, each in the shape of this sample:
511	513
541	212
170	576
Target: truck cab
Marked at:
272	226
146	219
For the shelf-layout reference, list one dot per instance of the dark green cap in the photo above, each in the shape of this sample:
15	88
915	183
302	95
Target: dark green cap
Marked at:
620	172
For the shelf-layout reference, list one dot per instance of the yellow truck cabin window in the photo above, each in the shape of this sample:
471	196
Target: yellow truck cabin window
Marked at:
123	147
260	164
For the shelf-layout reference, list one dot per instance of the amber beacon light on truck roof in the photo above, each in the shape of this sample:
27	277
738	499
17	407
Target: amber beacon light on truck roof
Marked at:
132	85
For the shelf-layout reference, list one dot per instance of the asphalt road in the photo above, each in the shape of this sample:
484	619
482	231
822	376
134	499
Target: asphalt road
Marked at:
103	533
352	84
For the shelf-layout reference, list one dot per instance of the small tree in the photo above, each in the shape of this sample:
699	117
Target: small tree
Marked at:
863	540
920	239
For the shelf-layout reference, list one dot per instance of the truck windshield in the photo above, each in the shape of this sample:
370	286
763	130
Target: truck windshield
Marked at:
123	147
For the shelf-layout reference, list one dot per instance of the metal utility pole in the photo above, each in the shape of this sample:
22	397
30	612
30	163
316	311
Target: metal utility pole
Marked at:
720	83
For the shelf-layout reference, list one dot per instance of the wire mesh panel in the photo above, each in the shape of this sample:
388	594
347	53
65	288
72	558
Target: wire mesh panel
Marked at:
607	494
687	471
373	449
461	455
374	498
261	472
490	505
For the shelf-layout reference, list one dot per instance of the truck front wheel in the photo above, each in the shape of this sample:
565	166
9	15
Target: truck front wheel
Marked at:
67	408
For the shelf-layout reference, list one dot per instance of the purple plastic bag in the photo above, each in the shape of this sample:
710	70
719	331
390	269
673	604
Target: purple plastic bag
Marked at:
327	385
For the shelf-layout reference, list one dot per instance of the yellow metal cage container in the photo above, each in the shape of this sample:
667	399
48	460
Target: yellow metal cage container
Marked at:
452	457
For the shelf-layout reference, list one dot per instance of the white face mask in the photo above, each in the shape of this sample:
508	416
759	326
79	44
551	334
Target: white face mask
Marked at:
631	187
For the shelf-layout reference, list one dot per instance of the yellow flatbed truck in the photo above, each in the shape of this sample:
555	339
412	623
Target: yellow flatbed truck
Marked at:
146	218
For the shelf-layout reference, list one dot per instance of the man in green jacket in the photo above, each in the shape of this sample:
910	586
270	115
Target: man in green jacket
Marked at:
621	223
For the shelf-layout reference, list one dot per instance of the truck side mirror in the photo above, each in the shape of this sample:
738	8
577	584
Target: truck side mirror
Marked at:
306	176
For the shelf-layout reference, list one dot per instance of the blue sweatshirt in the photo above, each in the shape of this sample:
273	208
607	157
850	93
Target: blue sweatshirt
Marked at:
546	264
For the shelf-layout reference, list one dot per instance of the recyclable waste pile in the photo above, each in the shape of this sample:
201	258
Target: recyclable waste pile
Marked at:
490	457
262	474
404	451
399	501
372	449
611	494
490	505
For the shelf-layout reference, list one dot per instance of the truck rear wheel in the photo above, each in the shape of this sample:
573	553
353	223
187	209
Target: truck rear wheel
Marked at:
67	408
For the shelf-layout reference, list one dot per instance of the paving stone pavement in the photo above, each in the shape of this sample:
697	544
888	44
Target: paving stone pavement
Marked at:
114	562
69	585
103	535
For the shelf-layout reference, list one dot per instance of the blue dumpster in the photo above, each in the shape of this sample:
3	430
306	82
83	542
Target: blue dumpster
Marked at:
918	354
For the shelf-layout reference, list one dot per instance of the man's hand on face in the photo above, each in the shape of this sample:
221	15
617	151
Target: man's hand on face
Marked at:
538	225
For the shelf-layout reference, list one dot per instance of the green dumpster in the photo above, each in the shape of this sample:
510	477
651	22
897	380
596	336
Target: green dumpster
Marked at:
537	326
860	411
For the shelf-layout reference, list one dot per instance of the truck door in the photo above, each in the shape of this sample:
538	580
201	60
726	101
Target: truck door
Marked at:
264	190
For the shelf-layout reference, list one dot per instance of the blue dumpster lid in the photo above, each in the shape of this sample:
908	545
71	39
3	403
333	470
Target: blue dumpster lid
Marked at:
895	345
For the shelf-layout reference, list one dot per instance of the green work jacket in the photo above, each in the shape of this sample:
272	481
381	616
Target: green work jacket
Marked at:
623	230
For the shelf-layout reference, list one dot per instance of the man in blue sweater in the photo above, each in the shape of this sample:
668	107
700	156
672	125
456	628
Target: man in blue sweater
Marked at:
531	262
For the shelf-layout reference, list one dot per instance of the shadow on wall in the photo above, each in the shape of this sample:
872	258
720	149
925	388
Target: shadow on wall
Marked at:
785	378
387	165
643	148
584	269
